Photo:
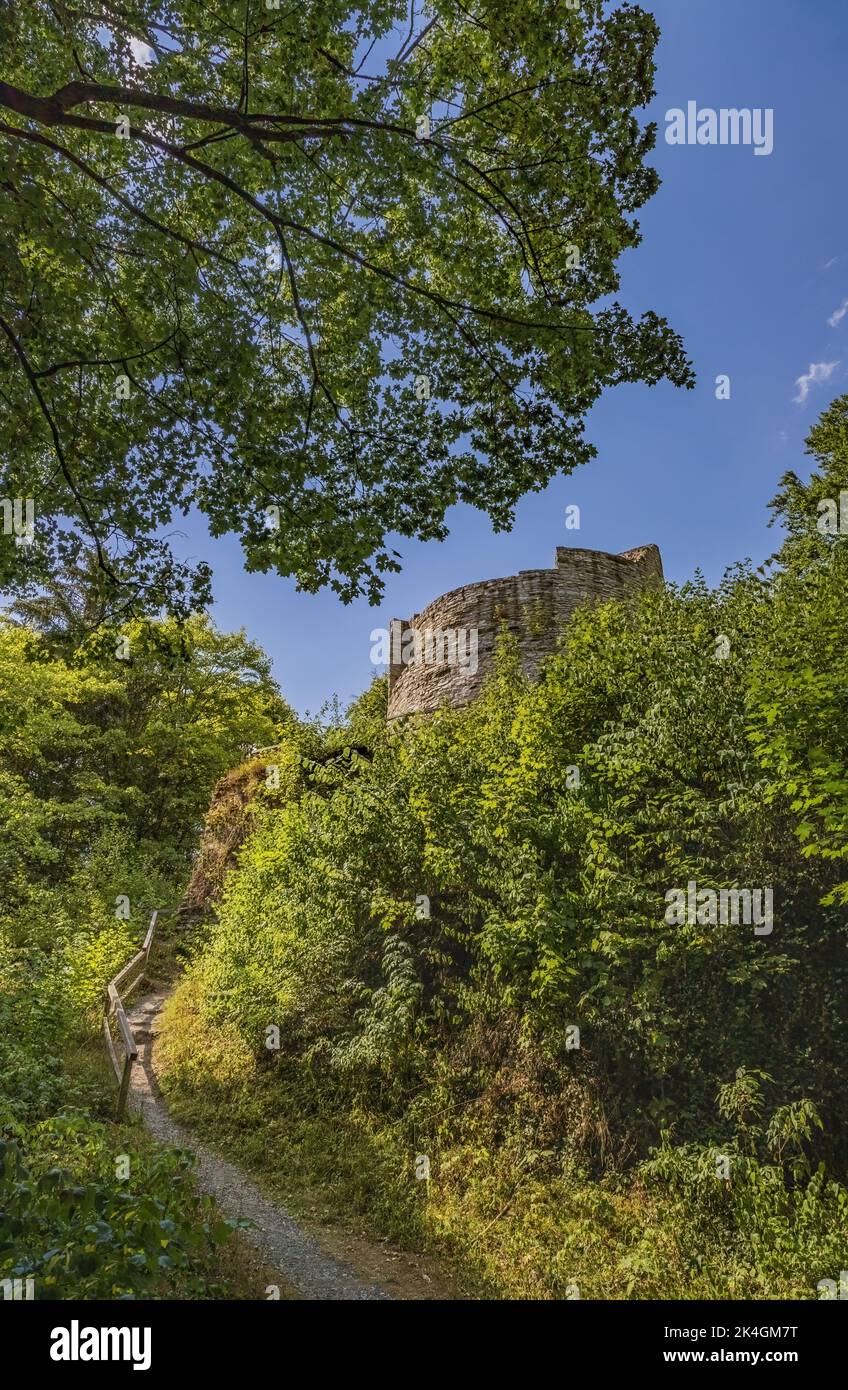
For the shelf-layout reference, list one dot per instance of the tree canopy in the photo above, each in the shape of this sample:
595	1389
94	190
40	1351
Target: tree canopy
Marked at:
318	270
106	765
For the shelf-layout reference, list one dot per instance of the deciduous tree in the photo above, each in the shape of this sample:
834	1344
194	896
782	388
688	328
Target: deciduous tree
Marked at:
318	269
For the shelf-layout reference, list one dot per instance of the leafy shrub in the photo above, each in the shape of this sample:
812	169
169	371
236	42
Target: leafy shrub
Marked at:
79	1232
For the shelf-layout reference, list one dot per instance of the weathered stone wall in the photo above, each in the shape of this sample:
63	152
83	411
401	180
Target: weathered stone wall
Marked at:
534	605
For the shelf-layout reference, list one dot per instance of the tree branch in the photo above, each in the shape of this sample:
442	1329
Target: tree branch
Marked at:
57	445
34	138
106	361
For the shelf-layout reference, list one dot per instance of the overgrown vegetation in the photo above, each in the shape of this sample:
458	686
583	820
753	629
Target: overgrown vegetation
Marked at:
447	939
105	767
693	1144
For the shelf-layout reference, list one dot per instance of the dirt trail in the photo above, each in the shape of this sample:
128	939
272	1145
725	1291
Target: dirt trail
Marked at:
303	1262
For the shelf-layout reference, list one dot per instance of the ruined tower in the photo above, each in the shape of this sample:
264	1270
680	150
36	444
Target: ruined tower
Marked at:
435	659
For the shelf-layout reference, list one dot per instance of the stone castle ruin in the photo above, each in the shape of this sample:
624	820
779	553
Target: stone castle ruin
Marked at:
444	653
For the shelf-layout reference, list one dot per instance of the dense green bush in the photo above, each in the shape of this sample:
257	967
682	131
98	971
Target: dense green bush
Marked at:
75	1227
548	898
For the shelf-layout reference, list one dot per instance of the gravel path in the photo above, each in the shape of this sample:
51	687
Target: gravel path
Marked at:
281	1241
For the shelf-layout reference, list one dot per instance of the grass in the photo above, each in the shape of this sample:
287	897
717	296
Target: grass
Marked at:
508	1222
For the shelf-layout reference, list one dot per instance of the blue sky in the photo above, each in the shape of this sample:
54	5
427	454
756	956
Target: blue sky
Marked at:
747	256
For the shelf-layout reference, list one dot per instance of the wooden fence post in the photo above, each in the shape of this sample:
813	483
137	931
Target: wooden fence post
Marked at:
125	1086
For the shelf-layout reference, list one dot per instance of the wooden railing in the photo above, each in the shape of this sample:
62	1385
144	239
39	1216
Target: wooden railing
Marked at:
114	1007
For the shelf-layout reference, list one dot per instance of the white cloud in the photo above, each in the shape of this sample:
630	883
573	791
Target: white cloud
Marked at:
142	52
816	373
838	314
829	264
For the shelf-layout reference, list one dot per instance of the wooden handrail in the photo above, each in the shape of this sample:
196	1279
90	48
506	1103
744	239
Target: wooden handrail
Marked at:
119	978
114	1005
